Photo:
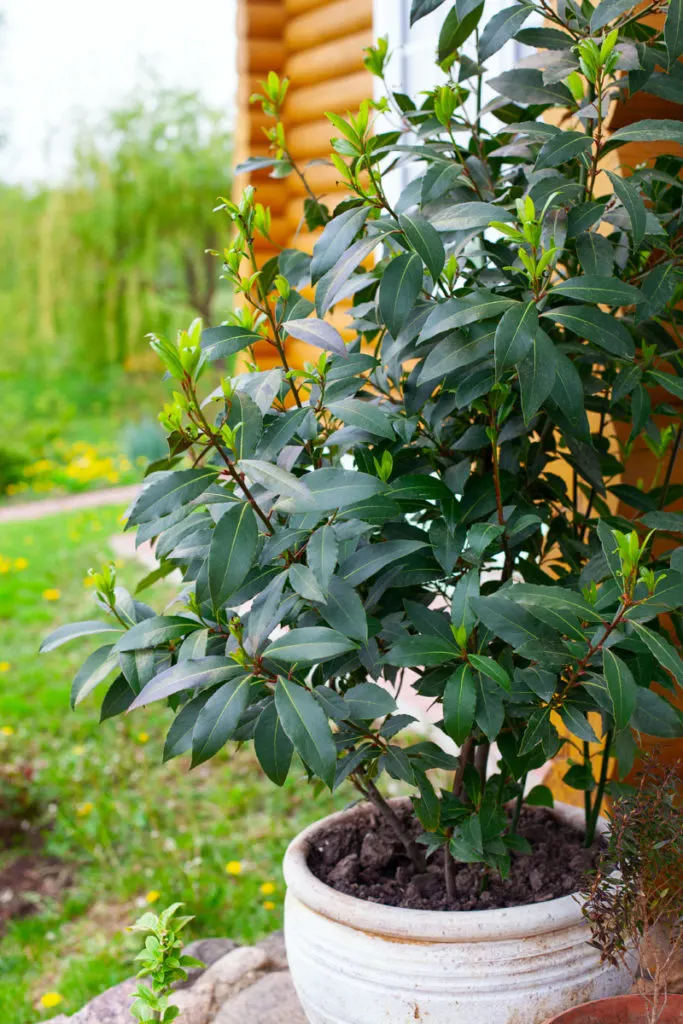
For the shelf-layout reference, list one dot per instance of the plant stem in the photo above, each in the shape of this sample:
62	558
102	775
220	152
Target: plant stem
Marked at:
519	803
463	760
670	468
481	759
368	788
587	796
600	794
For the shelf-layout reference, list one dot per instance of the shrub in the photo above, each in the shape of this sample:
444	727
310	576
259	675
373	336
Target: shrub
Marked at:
436	492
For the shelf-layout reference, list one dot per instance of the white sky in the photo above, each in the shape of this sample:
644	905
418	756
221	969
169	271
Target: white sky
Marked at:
61	60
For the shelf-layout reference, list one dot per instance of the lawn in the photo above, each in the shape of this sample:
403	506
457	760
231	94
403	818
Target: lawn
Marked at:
133	831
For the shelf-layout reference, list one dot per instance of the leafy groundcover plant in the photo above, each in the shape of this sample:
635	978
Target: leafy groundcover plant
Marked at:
438	491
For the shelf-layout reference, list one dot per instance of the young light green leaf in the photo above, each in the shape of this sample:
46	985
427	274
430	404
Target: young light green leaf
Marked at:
307	728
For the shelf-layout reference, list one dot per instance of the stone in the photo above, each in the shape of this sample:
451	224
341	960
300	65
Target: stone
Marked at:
208	951
229	975
111	1007
272	1000
195	1004
274	947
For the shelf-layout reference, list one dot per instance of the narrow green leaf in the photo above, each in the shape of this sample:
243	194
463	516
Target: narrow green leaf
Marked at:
399	288
608	10
595	253
536	373
610	291
622	688
655	716
94	669
305	724
665	653
515	335
368	560
73	630
170	491
225	341
650	131
459	703
366	415
273	746
367	701
322	552
156	631
187	675
309	645
633	204
319	333
491	669
336	239
562	147
219	718
232	551
603	330
501	27
425	240
343	610
673	30
417	651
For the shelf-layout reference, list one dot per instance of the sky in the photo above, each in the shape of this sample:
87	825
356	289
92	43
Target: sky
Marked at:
65	60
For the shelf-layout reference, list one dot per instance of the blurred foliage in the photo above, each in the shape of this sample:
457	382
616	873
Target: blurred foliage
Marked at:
87	266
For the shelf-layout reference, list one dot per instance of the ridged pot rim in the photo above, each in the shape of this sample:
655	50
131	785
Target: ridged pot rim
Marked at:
403	924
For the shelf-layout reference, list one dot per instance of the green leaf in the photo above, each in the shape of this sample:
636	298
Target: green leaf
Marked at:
674	385
577	723
622	688
459	703
490	711
305	724
187	675
460	23
469	216
454	313
365	415
491	669
463	615
566	400
219	718
446	544
322	553
275	479
179	737
425	240
232	551
336	239
536	373
319	333
367	701
117	699
514	335
305	584
368	560
280	432
603	330
562	147
633	204
170	491
655	716
658	289
608	10
558	599
509	620
73	630
273	746
673	30
225	341
156	631
343	610
421	8
399	288
331	488
539	730
421	651
665	653
246	415
526	86
650	131
610	291
309	645
540	796
595	253
332	286
501	27
94	669
580	776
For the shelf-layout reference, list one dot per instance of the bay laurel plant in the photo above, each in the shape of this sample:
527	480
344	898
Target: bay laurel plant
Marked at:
435	500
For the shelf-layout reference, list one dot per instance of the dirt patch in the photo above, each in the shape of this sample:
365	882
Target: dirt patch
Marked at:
361	857
27	882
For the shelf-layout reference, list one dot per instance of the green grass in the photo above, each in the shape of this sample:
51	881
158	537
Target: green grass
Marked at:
143	827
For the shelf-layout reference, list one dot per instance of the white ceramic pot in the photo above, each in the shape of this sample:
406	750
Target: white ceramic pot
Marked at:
354	962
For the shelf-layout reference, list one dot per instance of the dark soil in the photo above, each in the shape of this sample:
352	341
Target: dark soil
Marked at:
363	858
28	882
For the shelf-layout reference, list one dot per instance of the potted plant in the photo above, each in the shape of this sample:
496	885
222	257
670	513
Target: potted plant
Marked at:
635	900
431	505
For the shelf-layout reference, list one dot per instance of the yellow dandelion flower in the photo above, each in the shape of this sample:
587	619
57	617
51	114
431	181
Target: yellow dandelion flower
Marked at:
52	594
119	563
85	809
7	730
268	905
78	750
268	888
152	896
5	666
234	867
51	999
88	581
143	737
21	563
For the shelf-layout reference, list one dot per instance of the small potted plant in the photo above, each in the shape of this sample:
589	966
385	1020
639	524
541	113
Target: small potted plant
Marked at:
635	901
431	504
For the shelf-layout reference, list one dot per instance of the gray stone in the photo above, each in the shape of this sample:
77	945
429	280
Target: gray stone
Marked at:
272	1000
111	1007
229	975
208	951
195	1005
274	946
